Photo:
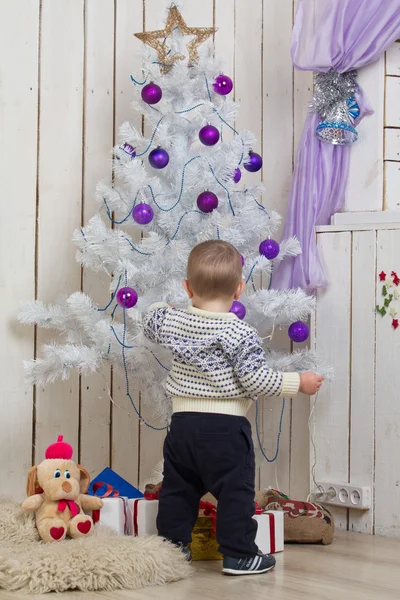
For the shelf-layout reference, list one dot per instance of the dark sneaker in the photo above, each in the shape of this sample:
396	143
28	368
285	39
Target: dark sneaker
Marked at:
185	549
251	565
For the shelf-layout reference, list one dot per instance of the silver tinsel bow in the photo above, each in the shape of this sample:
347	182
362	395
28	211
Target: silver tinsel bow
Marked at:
335	103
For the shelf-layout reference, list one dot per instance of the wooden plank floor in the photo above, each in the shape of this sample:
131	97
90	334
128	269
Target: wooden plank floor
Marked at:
357	567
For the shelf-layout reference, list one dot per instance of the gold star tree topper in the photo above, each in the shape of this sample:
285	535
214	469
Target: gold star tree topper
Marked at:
158	39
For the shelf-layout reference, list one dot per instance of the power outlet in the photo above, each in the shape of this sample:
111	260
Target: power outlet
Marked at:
345	495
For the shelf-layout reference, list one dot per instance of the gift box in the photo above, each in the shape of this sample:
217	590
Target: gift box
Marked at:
142	516
204	545
110	484
270	536
114	514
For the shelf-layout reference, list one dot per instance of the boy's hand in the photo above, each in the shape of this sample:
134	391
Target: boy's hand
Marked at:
310	383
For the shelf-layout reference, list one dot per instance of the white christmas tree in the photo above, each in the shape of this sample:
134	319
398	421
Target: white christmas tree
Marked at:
180	186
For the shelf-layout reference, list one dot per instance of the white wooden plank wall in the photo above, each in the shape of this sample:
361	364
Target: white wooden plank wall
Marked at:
392	129
65	91
357	419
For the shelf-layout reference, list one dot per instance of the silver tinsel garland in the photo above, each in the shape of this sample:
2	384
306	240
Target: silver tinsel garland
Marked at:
334	101
330	89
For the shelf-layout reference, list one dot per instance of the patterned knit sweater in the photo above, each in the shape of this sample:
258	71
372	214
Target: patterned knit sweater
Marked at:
218	364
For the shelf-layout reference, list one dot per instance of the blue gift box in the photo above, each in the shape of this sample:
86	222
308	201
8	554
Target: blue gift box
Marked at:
118	484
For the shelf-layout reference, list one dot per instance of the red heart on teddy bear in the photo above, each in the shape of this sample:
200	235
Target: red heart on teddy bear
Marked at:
57	532
84	527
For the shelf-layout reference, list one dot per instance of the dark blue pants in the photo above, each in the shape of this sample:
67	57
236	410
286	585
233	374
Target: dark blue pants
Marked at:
209	453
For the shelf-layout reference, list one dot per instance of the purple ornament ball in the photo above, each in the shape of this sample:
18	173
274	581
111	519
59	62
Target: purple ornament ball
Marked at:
142	213
299	332
151	93
254	162
207	202
127	297
238	309
223	85
269	249
158	158
237	175
209	135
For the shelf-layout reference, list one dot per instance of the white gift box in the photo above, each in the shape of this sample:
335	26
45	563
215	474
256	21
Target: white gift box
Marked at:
270	537
142	516
114	514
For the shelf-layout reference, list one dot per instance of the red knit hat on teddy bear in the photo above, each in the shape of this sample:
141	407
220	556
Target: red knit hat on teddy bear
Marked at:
60	450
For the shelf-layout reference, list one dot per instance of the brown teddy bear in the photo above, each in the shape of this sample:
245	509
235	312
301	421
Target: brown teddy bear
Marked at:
56	491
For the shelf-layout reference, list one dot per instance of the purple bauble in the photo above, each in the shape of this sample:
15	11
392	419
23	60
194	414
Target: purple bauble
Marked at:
158	158
127	297
151	93
238	309
223	85
207	202
128	149
237	175
299	332
242	259
254	162
209	135
142	213
269	249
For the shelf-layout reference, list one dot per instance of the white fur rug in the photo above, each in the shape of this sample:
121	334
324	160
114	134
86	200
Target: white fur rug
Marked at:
103	561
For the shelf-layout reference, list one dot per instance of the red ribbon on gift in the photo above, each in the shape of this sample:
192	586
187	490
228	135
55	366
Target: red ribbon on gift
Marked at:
151	496
209	510
259	511
96	513
272	531
109	493
135	516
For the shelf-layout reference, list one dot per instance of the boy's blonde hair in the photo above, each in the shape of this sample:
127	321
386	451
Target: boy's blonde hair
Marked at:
214	270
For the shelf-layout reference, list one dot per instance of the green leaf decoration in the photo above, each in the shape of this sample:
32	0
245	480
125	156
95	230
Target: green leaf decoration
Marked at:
381	310
384	290
388	300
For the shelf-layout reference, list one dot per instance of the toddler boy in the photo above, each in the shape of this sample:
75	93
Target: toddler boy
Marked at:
218	367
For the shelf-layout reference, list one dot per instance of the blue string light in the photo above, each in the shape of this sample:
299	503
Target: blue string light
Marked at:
180	221
155	62
180	112
138	82
251	272
136	249
109	214
130	348
127	390
270	278
226	189
112	297
241	158
151	139
278	440
208	88
180	191
226	122
112	319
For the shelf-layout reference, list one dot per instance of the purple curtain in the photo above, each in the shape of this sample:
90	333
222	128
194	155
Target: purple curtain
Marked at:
341	35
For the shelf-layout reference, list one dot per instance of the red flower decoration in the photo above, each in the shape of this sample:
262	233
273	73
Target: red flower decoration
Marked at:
396	280
382	276
395	323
